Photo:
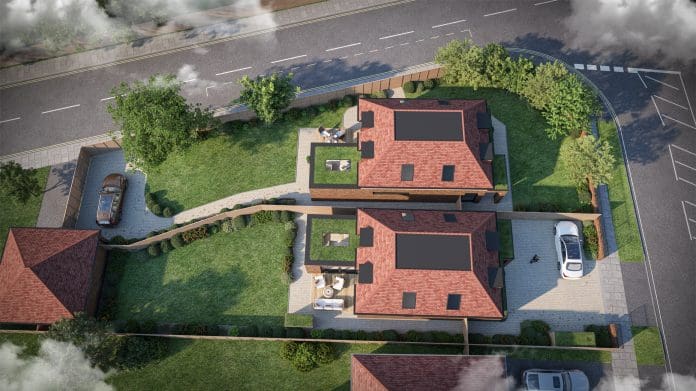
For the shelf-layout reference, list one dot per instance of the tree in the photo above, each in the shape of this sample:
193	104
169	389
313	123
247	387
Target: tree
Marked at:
20	183
543	82
570	107
155	119
464	63
267	95
590	160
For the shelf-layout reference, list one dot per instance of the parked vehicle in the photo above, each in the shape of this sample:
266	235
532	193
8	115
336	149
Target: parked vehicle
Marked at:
110	203
555	380
569	249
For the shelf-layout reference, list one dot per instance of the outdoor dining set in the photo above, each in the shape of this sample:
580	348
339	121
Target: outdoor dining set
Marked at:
327	301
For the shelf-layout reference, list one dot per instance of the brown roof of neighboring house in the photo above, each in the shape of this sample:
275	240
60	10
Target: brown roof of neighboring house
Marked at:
45	274
443	266
427	156
375	372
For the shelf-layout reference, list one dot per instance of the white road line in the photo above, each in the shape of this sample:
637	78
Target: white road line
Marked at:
62	108
448	34
688	226
469	31
685	165
373	51
421	40
227	82
388	47
311	65
189	80
678	121
288	59
206	89
500	12
658	110
634	70
579	66
661	82
344	46
669	101
9	120
358	54
448	24
396	35
605	68
618	69
404	44
591	67
641	80
327	61
545	2
109	98
683	149
232	71
688	102
343	58
671	156
293	68
435	37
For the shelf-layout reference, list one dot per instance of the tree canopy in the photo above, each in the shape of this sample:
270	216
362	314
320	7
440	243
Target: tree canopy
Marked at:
21	183
590	159
267	95
156	120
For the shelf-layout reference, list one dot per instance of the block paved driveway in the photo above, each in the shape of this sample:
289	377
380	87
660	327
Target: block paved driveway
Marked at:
536	291
136	220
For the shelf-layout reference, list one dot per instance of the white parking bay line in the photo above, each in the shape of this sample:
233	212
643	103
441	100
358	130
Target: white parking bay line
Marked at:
9	120
689	220
448	24
396	35
661	82
641	79
501	12
344	46
678	121
59	109
579	66
658	110
232	71
669	101
545	2
288	59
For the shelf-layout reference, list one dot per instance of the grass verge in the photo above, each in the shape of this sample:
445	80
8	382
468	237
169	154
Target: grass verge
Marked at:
623	212
648	346
230	278
584	338
16	214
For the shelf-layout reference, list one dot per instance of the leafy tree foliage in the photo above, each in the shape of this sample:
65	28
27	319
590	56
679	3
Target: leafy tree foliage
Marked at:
267	95
464	63
590	159
570	107
21	183
544	80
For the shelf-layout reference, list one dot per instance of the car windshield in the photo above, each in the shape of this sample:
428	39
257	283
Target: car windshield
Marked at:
110	189
572	245
105	201
574	266
567	386
533	381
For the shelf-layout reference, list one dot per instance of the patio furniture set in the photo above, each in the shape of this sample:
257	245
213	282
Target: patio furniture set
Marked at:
327	302
333	135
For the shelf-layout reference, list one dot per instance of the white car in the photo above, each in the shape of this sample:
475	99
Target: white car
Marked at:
555	380
569	249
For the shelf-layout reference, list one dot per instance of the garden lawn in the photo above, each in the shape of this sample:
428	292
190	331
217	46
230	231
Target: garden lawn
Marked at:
623	213
229	278
321	226
648	346
336	152
540	181
16	214
240	158
547	354
249	365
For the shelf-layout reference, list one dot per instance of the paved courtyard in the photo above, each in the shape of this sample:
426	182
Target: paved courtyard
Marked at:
536	291
136	220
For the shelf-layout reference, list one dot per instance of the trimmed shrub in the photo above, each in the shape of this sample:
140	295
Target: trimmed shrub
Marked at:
148	327
347	334
441	336
261	217
419	87
347	101
591	240
153	250
213	228
329	334
299	320
150	199
429	84
409	87
131	326
381	94
166	246
118	239
505	339
156	209
304	359
177	241
278	332
428	336
390	335
266	331
413	336
239	222
325	353
286	216
249	331
167	212
602	336
317	333
479	339
362	335
227	225
288	350
534	332
374	336
234	331
194	234
457	338
294	332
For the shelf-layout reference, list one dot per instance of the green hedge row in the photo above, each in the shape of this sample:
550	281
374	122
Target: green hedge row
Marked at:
532	332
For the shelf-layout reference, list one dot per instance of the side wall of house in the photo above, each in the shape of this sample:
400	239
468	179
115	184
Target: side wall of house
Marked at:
96	282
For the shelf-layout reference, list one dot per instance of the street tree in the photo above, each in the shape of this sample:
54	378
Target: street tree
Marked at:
464	63
267	95
590	161
156	120
21	183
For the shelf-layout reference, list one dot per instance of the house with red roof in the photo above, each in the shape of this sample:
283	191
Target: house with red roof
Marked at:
47	274
412	263
420	372
412	149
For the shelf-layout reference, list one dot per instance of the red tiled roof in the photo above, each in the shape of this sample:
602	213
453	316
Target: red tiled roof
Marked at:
45	274
428	157
385	294
372	372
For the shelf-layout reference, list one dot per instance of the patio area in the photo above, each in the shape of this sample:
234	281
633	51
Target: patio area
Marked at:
333	292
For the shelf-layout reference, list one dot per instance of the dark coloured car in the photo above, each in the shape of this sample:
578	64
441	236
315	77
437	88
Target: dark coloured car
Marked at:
110	203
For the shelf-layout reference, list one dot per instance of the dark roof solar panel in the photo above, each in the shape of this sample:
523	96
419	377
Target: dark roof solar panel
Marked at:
428	126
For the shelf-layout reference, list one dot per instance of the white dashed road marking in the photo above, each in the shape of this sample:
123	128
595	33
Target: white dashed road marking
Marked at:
404	44
604	68
288	59
396	35
579	66
448	34
618	69
232	71
9	120
435	37
62	108
591	67
501	12
448	24
373	51
344	46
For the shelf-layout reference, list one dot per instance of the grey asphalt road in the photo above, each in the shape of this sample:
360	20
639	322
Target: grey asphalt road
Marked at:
408	34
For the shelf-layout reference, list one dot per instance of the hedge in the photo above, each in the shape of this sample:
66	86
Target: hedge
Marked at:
602	335
583	338
299	320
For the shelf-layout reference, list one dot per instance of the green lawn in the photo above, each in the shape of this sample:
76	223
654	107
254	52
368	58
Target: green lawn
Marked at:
583	338
540	181
16	214
547	354
239	159
229	278
321	226
648	345
336	152
622	211
499	173
507	249
248	365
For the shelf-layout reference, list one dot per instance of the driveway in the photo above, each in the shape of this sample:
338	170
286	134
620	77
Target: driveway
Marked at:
136	220
536	290
595	371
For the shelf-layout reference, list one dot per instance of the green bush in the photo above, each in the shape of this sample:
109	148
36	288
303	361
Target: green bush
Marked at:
441	336
177	241
150	199
288	350
534	332
227	225
261	217
374	336
565	338
505	339
362	335
602	335
591	240
148	327
305	358
213	228
131	326
427	336
156	209
299	320
153	250
381	94
429	84
409	87
167	212
249	331
294	332
234	331
347	101
347	334
390	335
275	216
266	331
479	339
166	246
317	333
325	353
413	336
118	239
329	334
278	332
194	234
239	222
419	87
